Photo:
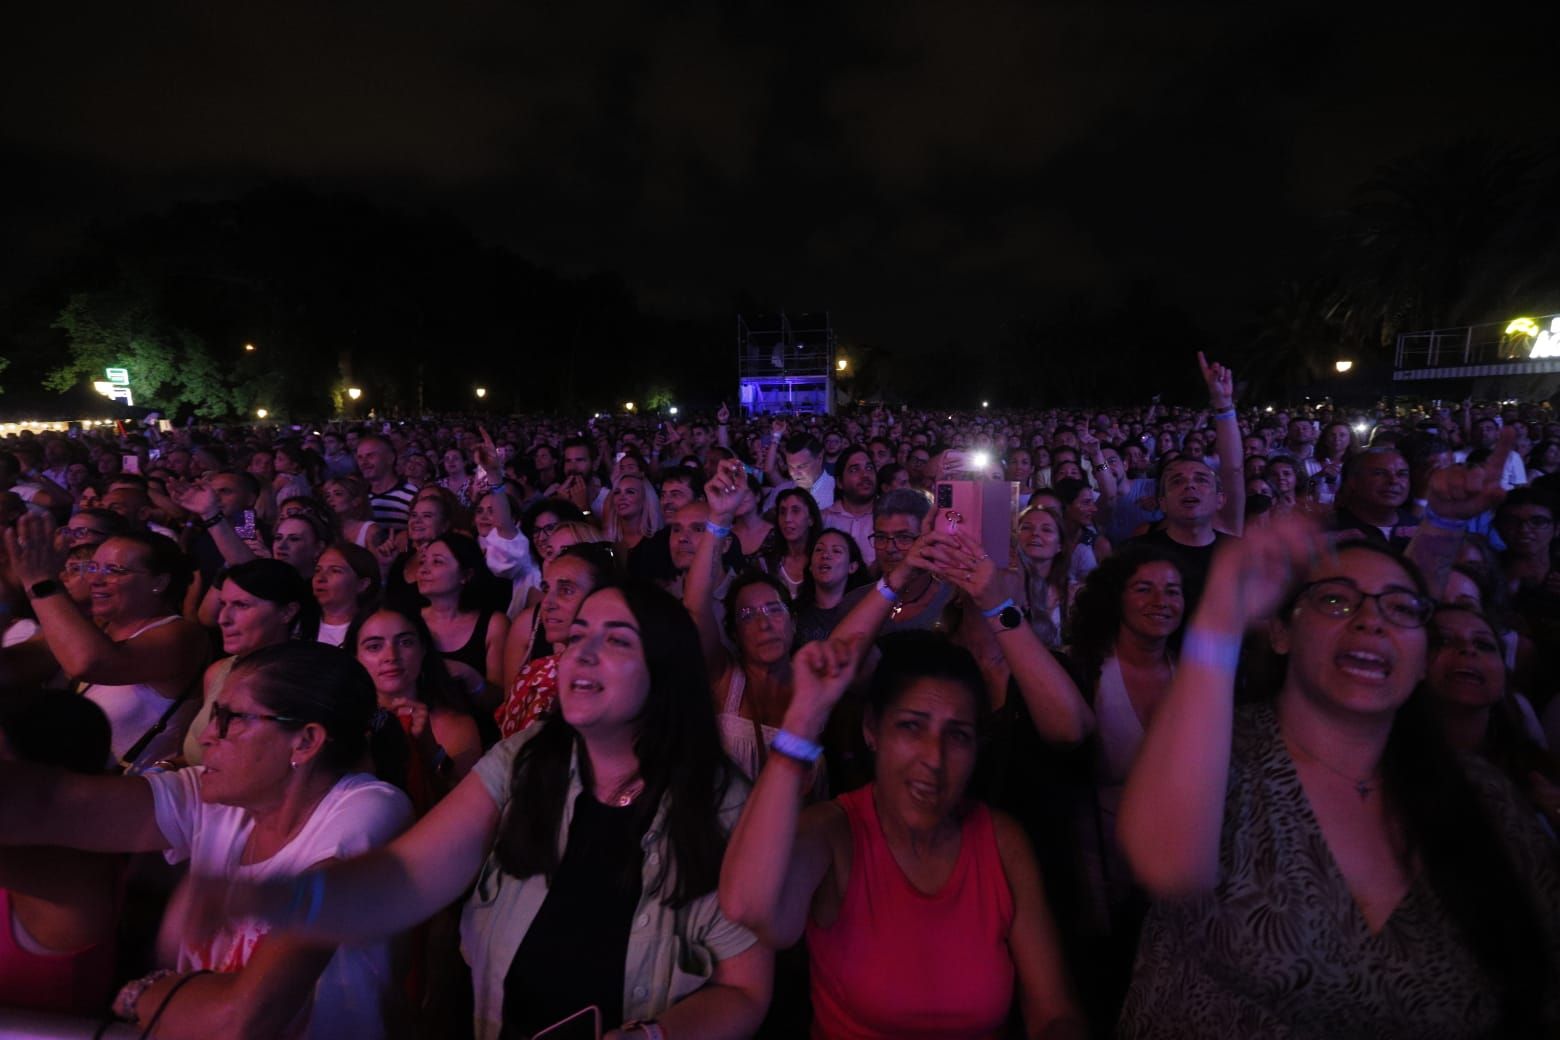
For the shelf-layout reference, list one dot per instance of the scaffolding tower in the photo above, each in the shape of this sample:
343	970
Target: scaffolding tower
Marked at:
786	366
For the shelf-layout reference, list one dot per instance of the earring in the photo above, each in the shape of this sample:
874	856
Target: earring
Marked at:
294	763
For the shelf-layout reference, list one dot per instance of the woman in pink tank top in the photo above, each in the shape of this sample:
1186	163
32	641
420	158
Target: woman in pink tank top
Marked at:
923	911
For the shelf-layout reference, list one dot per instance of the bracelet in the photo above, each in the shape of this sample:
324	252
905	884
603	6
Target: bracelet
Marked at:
1228	413
886	591
1214	651
716	529
794	747
206	523
131	992
173	990
1445	523
999	608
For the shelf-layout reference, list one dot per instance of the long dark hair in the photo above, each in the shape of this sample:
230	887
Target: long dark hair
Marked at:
808	594
435	688
1448	828
680	760
482	590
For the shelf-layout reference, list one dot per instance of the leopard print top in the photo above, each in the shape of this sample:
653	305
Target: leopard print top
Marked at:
1279	948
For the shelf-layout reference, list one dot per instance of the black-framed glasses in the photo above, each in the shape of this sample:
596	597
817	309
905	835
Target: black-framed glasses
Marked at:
546	530
1531	523
902	540
774	611
223	716
76	534
1340	597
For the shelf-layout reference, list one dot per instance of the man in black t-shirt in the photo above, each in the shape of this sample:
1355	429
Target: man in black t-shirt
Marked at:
1190	493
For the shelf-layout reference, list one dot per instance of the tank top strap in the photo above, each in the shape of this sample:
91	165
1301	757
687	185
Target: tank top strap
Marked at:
154	623
735	688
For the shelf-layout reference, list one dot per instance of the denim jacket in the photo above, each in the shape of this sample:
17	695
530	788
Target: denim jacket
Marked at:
671	952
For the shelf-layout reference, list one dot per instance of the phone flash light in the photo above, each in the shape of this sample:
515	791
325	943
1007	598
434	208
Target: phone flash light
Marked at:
981	459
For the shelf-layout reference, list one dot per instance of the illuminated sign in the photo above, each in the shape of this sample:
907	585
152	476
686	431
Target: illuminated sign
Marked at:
1546	342
116	387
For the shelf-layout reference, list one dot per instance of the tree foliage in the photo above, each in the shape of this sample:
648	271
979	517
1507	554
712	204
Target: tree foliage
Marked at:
170	368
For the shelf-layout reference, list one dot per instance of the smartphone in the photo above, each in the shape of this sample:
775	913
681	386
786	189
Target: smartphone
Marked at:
245	529
981	509
130	463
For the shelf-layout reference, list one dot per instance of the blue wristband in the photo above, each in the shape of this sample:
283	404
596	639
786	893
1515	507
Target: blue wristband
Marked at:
1228	413
1215	651
999	608
794	747
886	592
1445	523
715	529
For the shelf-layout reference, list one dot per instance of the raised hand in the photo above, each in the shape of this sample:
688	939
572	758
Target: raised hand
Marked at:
1251	576
969	568
194	498
1220	382
576	491
778	429
724	492
1463	492
822	671
723	414
30	545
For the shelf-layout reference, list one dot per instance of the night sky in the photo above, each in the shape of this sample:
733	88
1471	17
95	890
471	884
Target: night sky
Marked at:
927	176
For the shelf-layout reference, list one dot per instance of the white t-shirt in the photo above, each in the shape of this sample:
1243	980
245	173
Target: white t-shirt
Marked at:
356	991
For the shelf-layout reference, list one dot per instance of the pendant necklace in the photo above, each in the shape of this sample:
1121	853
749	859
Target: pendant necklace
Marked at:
1363	786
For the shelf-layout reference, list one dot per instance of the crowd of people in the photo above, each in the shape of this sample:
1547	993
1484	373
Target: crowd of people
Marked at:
1236	721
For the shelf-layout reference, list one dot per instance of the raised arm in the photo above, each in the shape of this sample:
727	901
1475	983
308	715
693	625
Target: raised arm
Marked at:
777	432
1172	812
200	501
722	493
723	426
778	855
1221	399
44	805
1454	497
367	897
168	653
1058	709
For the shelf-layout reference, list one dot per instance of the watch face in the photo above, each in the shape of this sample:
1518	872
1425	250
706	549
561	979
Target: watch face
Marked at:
1011	617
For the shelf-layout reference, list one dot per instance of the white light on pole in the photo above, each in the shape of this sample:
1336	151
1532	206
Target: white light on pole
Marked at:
672	410
354	392
261	413
1343	366
481	391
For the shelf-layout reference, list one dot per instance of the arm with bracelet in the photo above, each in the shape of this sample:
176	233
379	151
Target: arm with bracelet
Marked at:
1221	398
1172	811
1454	497
722	494
779	854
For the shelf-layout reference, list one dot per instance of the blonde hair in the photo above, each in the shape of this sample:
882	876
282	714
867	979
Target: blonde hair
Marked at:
649	514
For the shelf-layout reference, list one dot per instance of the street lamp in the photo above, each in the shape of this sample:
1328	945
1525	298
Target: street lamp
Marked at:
481	391
672	410
842	364
1343	366
628	406
249	348
354	392
261	413
985	404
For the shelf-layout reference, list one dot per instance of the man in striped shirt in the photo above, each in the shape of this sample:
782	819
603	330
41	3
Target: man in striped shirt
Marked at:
390	497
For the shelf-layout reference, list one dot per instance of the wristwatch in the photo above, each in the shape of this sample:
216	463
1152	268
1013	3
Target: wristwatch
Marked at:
1010	617
46	587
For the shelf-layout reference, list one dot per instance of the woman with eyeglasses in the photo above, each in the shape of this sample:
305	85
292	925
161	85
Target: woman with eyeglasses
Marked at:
586	851
90	527
751	684
1323	864
279	793
140	660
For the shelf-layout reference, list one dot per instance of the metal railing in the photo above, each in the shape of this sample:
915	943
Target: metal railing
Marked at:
1485	344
